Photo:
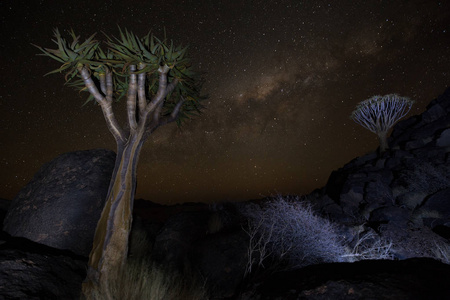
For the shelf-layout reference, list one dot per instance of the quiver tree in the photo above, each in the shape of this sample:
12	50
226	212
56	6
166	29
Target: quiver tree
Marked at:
380	113
160	87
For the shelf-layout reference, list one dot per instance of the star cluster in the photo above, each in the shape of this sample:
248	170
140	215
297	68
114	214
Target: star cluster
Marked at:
282	79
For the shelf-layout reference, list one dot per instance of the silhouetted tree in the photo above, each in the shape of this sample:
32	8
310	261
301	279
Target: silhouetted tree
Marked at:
160	87
380	113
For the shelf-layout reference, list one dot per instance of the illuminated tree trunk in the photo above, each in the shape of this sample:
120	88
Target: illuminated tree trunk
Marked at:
110	247
160	88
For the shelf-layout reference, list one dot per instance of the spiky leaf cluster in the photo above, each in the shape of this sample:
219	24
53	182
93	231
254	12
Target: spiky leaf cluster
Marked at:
147	53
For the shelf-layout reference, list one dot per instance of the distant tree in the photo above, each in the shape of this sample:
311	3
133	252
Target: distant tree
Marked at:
160	87
380	113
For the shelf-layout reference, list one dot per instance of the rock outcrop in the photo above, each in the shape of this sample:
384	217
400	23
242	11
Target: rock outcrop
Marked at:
61	205
4	206
32	271
404	193
417	278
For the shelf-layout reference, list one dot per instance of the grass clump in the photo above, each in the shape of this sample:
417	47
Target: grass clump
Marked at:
140	278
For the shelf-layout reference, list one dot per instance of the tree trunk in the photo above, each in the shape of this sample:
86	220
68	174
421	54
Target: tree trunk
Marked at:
110	247
382	136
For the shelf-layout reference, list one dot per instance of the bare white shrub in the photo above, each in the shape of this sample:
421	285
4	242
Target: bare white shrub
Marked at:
288	231
370	246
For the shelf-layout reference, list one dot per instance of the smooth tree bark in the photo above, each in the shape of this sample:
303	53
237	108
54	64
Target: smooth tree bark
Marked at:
157	83
110	246
380	113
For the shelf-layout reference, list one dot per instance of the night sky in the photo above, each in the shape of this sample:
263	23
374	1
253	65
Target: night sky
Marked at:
282	79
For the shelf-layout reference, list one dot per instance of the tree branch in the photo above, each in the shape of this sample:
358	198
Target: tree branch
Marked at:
102	78
170	118
109	86
162	83
163	89
106	106
141	88
156	104
90	85
111	122
131	98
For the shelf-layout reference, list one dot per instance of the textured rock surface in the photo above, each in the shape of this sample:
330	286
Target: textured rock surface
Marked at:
4	206
33	271
177	237
222	258
61	205
418	278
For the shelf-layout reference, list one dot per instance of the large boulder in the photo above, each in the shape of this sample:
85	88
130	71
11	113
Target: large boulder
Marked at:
32	271
222	259
177	237
61	205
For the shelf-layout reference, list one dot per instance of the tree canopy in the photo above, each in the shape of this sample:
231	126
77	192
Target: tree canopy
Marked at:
117	55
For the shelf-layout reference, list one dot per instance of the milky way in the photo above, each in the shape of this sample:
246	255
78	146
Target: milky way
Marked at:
282	79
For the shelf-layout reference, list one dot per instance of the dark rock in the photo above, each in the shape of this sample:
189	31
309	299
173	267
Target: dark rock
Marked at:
409	241
379	164
414	144
222	260
354	184
392	163
61	205
178	236
402	154
361	161
332	210
378	192
390	214
444	139
418	278
440	203
400	128
430	129
350	202
30	270
411	200
433	113
442	230
4	206
335	184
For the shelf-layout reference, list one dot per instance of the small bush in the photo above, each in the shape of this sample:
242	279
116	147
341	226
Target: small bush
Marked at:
370	246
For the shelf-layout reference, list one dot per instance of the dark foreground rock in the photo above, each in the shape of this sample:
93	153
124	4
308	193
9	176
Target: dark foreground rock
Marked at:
29	270
417	278
4	206
61	205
